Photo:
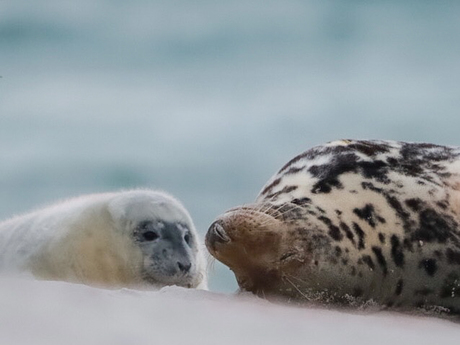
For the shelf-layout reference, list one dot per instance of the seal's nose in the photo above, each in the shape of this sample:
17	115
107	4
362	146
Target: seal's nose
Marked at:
216	235
184	267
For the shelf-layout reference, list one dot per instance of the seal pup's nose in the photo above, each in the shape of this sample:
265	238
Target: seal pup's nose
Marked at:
184	267
216	234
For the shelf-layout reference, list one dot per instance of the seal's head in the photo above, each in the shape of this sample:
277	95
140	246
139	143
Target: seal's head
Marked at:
263	249
162	231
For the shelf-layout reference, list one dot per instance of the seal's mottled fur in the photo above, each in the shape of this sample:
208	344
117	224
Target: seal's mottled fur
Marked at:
352	221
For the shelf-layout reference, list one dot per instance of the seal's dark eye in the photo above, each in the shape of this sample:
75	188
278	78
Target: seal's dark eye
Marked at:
187	238
150	236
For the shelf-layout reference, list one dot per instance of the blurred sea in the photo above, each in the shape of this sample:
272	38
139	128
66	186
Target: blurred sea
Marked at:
208	99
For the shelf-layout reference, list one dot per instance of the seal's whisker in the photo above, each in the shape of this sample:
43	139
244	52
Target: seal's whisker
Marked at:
298	279
265	207
296	288
210	263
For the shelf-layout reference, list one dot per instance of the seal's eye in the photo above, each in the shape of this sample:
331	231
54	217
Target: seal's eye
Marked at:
187	238
150	236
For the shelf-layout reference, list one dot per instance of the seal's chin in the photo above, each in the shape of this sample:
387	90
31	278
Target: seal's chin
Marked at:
183	281
248	242
161	275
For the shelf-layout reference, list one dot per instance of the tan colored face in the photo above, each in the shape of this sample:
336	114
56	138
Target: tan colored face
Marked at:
253	245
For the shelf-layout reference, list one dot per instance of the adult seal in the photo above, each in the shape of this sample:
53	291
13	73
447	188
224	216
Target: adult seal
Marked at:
350	222
133	238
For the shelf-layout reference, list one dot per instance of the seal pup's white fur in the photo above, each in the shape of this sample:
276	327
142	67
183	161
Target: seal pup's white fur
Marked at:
100	239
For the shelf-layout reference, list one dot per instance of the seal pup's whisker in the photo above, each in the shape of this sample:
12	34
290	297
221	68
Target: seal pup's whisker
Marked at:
210	263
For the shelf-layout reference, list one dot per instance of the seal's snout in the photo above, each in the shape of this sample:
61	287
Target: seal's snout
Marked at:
216	235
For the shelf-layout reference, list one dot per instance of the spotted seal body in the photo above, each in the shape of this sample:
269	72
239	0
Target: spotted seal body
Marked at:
352	221
126	239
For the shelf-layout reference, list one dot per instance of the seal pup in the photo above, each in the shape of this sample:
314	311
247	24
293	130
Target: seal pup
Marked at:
350	222
133	238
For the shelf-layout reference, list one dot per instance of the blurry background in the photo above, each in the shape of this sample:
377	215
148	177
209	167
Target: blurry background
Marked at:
208	99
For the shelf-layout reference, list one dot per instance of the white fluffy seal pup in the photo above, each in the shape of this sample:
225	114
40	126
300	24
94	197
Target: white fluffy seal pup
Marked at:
133	238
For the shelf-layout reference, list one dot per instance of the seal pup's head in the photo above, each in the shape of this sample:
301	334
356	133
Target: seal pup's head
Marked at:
161	228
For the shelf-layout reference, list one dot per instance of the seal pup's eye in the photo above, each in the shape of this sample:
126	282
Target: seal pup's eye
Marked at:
147	232
187	238
150	236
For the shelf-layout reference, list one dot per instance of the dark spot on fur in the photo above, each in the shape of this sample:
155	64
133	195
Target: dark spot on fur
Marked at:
399	287
369	148
429	265
434	227
396	205
370	186
443	204
328	174
360	234
415	204
287	189
453	257
381	238
320	210
271	186
368	261
325	220
392	161
368	214
377	170
380	259
325	186
302	201
338	251
348	232
353	271
344	262
338	212
397	251
334	232
294	170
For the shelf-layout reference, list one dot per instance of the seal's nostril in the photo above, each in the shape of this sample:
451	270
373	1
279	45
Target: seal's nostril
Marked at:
216	233
184	267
